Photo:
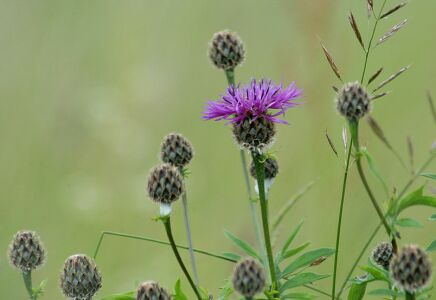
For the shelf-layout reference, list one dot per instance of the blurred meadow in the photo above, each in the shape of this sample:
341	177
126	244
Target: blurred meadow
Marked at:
89	88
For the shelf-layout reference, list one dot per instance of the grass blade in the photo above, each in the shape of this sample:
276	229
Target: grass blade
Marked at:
432	106
331	143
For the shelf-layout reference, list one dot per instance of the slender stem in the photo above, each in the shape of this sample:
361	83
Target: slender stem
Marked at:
368	50
260	175
27	277
189	237
230	75
142	238
167	223
316	290
338	231
410	296
359	257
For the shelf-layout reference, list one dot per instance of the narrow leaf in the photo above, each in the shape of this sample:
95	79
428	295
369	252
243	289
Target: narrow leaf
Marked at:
408	222
355	28
178	293
374	170
244	246
332	146
373	77
382	292
299	296
291	237
225	291
411	153
431	247
331	62
307	258
232	256
429	175
357	291
301	279
391	32
344	138
392	10
379	95
392	77
377	273
293	251
432	106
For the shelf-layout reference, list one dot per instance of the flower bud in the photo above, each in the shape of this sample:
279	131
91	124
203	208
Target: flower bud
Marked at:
382	255
176	150
248	278
353	101
226	50
150	290
165	184
254	134
26	251
271	168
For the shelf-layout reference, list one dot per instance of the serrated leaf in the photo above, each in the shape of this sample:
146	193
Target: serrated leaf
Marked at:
298	296
432	247
306	259
301	279
429	175
357	291
178	293
243	245
409	222
376	272
414	198
125	296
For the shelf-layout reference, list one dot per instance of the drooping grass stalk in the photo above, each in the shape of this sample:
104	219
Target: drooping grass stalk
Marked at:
259	164
189	237
167	223
371	238
143	238
27	277
368	50
230	75
338	231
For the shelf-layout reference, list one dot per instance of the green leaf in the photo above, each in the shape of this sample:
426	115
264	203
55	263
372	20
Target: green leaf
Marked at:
178	294
244	246
357	291
306	259
301	279
374	170
415	198
432	217
232	255
291	237
226	291
125	296
293	251
431	247
363	279
39	290
298	296
408	222
429	175
378	273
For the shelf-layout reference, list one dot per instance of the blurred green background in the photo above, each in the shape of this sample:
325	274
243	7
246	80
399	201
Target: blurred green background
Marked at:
89	88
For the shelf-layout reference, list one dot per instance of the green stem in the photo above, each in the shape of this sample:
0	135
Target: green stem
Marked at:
27	277
338	232
260	175
142	238
230	75
189	237
370	42
167	222
316	290
410	296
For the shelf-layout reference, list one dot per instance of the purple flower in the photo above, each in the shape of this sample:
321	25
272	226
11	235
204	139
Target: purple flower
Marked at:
259	99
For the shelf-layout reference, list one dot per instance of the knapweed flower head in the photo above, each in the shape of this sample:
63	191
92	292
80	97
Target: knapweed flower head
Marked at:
80	279
382	254
165	184
151	290
26	251
226	50
411	269
176	150
253	110
248	278
353	101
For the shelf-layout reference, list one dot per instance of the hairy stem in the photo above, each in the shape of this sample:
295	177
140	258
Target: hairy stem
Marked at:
230	75
189	237
259	164
167	223
338	231
143	238
27	277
